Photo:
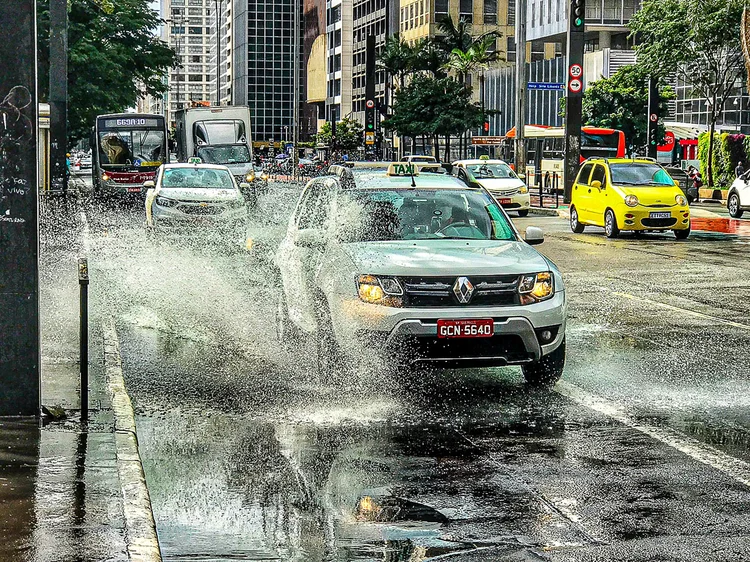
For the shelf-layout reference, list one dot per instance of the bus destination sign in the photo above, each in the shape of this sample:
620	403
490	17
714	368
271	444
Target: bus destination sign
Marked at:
131	122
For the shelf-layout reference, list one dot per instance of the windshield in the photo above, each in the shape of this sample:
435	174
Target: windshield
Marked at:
486	171
232	154
193	178
640	174
421	214
419	159
132	147
599	145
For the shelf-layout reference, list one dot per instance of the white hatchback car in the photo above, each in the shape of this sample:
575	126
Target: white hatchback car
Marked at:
738	198
419	267
499	179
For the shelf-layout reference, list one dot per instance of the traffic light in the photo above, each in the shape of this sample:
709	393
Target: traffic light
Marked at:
486	127
653	136
370	117
577	15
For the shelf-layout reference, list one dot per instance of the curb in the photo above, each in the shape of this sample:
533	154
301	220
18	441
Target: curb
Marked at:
140	529
539	211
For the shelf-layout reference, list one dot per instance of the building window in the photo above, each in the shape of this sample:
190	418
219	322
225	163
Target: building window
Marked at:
511	12
466	10
511	49
441	10
490	12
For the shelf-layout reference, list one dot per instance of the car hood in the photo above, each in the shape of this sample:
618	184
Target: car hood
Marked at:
445	257
500	184
241	168
199	194
651	195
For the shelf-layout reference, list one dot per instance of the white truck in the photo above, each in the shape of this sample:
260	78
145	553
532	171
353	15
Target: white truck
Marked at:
217	135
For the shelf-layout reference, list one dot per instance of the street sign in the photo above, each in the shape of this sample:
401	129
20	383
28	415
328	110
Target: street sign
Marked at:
545	86
576	70
369	137
486	140
669	142
576	85
654	117
370	104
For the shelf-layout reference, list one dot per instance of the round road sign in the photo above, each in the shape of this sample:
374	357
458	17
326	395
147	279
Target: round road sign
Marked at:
370	104
576	70
576	85
654	117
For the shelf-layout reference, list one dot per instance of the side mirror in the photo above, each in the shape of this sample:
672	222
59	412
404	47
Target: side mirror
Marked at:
245	186
677	183
534	236
596	184
149	184
310	238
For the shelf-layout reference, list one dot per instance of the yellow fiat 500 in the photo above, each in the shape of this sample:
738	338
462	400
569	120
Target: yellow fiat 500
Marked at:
620	194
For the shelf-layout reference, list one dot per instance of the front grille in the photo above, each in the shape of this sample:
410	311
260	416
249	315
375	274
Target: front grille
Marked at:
508	346
498	290
201	210
658	223
506	193
658	206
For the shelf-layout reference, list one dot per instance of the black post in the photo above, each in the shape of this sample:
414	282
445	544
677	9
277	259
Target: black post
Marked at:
574	100
83	282
556	186
58	93
653	117
19	237
370	133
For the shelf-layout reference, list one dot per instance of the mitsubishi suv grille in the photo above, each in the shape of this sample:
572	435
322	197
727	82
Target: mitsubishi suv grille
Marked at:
494	290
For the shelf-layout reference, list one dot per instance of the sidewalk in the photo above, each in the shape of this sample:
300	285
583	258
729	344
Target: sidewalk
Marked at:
61	494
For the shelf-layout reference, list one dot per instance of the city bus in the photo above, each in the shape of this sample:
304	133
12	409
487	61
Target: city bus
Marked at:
545	150
126	150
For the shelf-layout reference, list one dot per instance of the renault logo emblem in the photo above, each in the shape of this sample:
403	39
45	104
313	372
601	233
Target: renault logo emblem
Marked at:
463	289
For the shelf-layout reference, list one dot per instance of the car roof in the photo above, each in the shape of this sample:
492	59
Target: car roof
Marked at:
370	180
623	160
477	161
193	166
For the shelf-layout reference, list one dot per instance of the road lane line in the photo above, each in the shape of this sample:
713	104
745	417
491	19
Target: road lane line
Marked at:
682	310
735	468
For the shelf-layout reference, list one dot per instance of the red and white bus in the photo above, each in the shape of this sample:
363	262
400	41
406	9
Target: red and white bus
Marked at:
126	150
545	149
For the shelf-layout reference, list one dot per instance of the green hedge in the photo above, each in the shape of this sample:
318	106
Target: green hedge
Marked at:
729	149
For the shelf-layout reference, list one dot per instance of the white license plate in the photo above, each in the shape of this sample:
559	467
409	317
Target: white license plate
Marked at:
660	215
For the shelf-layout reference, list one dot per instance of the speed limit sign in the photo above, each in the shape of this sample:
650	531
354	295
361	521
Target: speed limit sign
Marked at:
576	70
370	104
654	117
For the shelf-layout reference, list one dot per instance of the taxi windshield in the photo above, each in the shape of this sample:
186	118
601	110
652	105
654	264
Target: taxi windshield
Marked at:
640	174
487	171
368	215
197	178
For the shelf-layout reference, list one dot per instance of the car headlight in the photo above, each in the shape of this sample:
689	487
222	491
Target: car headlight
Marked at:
250	176
536	287
264	176
164	202
523	189
631	201
380	290
105	177
680	200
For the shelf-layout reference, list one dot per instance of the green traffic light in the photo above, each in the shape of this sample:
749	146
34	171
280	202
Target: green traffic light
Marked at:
578	22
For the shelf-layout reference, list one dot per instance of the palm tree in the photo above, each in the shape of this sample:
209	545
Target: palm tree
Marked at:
454	36
397	58
745	35
430	57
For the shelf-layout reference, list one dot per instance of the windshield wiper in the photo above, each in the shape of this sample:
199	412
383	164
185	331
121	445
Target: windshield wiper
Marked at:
456	238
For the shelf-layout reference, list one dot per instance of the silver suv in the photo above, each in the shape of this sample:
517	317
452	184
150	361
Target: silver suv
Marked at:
423	268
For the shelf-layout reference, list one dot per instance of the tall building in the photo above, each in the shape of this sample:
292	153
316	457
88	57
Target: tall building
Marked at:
314	55
263	65
222	8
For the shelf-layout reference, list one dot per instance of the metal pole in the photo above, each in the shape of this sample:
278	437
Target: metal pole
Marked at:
58	92
83	282
521	89
297	89
218	68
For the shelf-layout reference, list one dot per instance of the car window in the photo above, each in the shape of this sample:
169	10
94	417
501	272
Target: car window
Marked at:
196	178
599	175
304	211
583	176
640	174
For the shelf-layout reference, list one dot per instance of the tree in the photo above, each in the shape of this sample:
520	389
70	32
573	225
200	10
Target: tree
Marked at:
349	134
700	41
113	58
396	58
620	102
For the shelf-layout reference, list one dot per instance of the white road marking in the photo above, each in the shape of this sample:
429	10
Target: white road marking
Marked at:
683	310
735	468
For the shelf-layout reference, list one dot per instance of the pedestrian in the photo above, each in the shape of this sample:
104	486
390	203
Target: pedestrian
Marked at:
739	170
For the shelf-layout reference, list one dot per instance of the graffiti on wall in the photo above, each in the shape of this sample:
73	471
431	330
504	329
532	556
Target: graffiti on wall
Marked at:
16	135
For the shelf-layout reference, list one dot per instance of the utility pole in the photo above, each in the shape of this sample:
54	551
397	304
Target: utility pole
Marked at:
218	49
574	101
521	80
653	117
19	235
297	88
58	93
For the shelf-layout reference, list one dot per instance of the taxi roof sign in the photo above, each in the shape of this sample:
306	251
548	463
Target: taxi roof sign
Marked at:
484	157
402	169
195	160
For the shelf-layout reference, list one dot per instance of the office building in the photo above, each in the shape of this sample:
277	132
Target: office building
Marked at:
224	7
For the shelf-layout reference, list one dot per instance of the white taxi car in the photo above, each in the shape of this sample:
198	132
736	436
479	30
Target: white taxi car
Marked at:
499	179
421	267
195	195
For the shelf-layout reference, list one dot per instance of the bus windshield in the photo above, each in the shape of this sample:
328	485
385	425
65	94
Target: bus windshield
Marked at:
599	145
229	154
132	147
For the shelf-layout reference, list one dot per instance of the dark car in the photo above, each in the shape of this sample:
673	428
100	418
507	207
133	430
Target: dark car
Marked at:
686	184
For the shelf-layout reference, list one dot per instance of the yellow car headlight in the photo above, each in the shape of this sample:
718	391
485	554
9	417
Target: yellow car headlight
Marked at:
380	290
264	176
250	176
680	200
631	201
523	189
536	287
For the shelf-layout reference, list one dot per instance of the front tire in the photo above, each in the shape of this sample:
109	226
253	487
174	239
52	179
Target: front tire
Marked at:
286	332
523	213
733	206
329	358
610	224
548	370
682	234
575	224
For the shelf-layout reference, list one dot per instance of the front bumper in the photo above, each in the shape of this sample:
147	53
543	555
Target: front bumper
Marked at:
133	189
512	202
640	218
170	217
410	334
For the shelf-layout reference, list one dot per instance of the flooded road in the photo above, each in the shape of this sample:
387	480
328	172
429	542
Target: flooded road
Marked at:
639	454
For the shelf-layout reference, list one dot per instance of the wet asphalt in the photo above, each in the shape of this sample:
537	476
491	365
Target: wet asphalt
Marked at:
249	457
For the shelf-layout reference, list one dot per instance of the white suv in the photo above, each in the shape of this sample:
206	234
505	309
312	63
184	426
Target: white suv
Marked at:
422	268
738	198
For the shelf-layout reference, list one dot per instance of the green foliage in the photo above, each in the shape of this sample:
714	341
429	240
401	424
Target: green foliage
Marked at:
113	56
729	150
621	102
349	134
